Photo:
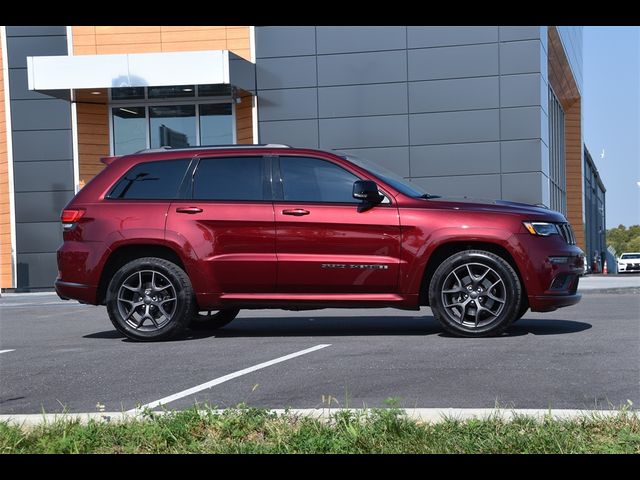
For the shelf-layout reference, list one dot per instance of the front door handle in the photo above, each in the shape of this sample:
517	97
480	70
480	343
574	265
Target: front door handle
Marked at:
296	212
189	210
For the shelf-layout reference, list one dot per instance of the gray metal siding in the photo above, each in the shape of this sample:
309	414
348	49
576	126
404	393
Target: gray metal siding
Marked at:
460	110
42	156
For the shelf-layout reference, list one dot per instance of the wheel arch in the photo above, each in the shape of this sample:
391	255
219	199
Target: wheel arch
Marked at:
445	250
126	253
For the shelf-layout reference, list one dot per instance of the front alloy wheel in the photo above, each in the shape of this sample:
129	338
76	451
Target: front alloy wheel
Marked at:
475	293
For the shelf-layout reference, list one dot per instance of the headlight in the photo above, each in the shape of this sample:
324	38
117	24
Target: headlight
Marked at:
542	229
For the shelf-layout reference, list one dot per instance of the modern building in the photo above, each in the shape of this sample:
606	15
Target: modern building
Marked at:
492	112
595	219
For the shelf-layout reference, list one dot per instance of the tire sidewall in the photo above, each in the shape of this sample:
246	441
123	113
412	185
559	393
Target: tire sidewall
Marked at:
513	293
213	322
184	296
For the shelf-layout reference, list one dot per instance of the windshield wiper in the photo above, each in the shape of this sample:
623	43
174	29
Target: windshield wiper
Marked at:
429	195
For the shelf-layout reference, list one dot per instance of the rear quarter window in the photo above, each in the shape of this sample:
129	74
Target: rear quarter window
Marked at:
151	181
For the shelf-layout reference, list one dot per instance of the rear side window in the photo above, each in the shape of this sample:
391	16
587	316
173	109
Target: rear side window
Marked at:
151	181
230	178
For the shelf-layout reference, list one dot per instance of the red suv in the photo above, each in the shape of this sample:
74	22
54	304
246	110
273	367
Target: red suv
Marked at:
168	237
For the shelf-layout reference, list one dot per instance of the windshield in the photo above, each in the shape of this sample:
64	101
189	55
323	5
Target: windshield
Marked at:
629	256
387	176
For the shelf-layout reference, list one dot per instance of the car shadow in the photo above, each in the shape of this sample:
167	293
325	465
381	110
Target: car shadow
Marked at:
343	326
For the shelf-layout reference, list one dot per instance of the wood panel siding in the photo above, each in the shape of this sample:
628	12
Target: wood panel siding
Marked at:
93	118
564	86
93	132
244	119
96	40
6	255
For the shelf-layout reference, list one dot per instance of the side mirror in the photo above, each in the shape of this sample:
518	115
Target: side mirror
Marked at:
367	190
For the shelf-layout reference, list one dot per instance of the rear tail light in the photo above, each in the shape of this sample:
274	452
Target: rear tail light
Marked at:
71	216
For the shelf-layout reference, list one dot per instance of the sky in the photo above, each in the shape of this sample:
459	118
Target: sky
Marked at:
611	116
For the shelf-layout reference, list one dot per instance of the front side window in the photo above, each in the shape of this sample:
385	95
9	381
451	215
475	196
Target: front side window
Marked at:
308	179
151	181
230	178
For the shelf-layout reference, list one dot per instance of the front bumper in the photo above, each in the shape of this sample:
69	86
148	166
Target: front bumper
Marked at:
548	303
551	270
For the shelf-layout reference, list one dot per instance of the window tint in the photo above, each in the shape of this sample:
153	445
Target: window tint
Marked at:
230	178
151	180
315	180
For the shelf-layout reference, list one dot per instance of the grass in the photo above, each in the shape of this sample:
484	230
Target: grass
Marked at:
251	430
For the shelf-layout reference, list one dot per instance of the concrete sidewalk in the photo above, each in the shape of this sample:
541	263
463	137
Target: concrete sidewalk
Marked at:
609	283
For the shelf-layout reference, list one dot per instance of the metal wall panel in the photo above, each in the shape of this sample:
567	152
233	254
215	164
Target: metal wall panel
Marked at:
362	100
438	36
455	159
41	206
362	68
345	39
361	132
453	62
455	94
285	41
455	127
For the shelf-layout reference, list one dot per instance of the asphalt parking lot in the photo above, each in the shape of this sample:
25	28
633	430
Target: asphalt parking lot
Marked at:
57	356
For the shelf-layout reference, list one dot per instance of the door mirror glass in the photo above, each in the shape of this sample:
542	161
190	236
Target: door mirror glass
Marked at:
367	190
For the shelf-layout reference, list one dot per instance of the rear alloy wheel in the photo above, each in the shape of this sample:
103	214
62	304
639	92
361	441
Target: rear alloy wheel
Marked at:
475	293
150	299
213	319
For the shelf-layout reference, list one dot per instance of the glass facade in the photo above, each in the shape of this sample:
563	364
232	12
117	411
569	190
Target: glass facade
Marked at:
557	160
594	212
176	116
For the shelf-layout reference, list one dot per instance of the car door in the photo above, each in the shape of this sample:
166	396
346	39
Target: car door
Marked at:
324	243
227	222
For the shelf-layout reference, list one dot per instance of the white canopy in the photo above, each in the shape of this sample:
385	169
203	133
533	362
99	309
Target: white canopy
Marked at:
140	70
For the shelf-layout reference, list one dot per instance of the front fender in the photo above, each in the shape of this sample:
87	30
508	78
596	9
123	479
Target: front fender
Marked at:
420	245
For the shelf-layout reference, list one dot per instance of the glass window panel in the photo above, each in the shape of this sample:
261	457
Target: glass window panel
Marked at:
315	180
129	132
229	178
151	180
129	93
214	90
173	125
174	91
216	124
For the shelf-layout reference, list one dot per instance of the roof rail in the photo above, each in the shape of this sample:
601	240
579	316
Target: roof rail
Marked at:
168	148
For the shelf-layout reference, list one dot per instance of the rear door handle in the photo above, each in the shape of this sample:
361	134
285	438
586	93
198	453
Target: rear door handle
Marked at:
189	210
296	212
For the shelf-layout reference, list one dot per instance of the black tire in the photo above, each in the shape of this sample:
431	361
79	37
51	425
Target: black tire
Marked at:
524	307
475	293
213	321
150	299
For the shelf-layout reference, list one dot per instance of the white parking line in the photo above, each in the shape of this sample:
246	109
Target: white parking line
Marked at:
226	378
6	351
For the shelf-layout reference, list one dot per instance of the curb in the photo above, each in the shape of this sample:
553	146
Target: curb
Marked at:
618	290
425	415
